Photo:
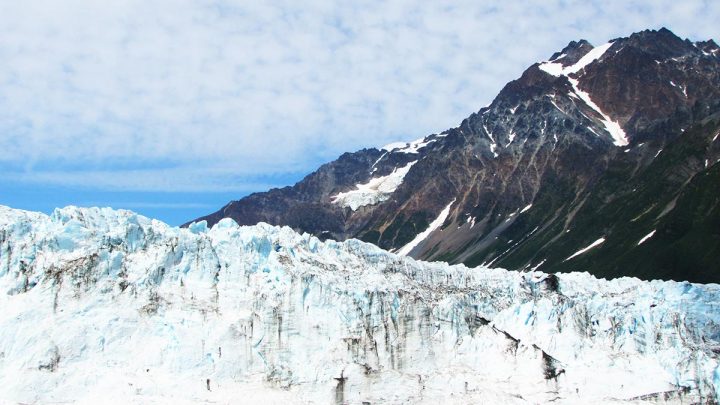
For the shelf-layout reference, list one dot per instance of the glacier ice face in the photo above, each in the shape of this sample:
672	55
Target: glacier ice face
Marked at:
103	304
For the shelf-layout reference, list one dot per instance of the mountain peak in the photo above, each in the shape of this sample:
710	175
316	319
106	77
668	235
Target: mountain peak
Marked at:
572	52
708	47
662	33
661	44
521	183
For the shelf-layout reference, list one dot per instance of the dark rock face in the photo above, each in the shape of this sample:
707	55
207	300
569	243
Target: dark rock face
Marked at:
572	53
537	175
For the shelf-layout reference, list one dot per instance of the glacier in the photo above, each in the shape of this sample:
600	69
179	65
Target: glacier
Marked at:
102	305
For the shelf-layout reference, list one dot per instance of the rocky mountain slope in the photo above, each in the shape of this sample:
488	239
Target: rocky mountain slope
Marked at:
602	159
107	306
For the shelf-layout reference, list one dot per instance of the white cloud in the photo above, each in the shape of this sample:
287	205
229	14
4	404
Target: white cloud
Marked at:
232	89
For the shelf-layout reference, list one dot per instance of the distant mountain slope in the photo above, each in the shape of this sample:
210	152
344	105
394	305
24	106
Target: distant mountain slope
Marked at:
597	146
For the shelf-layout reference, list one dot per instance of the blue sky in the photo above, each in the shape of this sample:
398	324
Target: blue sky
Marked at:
172	108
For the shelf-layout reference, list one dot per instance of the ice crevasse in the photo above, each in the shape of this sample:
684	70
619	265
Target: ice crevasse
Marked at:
106	305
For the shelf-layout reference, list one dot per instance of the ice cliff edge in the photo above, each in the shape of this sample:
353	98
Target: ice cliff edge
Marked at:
98	303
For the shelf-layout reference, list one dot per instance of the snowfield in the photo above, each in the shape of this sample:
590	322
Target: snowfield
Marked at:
376	190
105	306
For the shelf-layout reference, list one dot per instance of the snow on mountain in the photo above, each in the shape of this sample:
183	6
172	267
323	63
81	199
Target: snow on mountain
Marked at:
612	127
411	147
575	139
374	191
108	306
405	250
557	69
585	249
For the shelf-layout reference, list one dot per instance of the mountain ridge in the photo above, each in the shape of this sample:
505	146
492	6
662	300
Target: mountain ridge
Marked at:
569	131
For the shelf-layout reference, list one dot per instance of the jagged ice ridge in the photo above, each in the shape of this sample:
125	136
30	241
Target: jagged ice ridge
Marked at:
105	305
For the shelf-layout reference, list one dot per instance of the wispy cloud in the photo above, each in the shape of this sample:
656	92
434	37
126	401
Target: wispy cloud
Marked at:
227	90
184	179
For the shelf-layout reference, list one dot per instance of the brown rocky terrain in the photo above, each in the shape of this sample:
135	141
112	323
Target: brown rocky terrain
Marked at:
614	147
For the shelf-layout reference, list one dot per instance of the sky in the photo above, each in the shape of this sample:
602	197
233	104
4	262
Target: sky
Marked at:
174	108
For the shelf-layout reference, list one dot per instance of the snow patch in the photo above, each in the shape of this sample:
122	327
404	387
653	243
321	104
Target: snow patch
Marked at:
613	128
511	137
646	237
585	249
408	147
593	131
405	250
376	190
394	145
556	106
538	265
493	144
373	168
493	148
557	69
521	240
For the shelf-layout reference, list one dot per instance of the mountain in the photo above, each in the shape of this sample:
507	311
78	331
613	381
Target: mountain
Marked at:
601	159
107	306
